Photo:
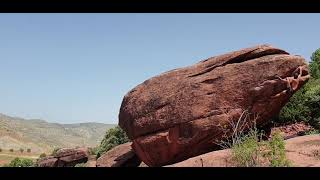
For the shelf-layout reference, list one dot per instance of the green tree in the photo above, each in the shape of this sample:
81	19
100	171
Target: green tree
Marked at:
21	162
114	136
304	104
315	64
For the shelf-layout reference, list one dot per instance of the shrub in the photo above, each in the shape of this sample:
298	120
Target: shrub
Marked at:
249	150
246	153
93	151
0	150
80	165
11	150
54	151
114	136
21	150
20	162
277	151
29	150
43	155
251	153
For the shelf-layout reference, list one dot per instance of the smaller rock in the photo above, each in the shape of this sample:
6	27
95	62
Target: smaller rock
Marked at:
119	156
48	162
66	157
291	130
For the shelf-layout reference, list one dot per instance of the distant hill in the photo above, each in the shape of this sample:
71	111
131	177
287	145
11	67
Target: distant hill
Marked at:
41	136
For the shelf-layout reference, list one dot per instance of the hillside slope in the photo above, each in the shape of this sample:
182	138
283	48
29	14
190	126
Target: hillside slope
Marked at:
41	136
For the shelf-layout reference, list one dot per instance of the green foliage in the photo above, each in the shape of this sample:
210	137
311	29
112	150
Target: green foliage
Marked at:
278	151
312	131
55	150
246	153
29	150
249	152
20	162
80	165
43	155
114	136
315	64
303	105
93	151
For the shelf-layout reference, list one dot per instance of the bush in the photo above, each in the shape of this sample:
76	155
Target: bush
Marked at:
21	150
29	150
20	162
114	136
278	151
11	150
246	153
54	151
93	151
0	150
251	153
43	155
80	165
248	148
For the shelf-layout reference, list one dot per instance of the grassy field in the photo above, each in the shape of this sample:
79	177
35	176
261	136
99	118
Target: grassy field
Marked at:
7	156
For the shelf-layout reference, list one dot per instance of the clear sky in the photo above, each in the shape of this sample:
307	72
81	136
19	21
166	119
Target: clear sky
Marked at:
71	68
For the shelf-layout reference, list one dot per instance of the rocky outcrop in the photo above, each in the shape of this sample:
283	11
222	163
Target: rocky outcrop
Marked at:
301	151
120	156
291	130
65	158
187	111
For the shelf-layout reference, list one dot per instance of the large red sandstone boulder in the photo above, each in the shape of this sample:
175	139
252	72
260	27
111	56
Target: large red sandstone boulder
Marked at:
66	157
119	156
187	111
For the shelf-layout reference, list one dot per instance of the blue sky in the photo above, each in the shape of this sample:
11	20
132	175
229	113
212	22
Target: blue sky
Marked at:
71	68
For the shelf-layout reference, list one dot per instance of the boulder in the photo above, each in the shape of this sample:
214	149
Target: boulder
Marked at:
66	157
119	156
187	111
48	162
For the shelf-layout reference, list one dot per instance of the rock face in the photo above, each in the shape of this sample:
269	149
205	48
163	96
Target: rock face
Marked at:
186	112
119	156
65	158
303	151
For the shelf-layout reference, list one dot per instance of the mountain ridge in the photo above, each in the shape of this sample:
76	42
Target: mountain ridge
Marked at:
42	136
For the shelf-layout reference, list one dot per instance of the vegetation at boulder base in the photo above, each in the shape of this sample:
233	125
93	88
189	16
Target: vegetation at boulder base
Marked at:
250	152
304	105
20	162
113	137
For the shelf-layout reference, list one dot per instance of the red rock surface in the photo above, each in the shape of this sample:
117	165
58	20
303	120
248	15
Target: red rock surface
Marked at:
291	130
187	111
119	156
66	157
303	151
